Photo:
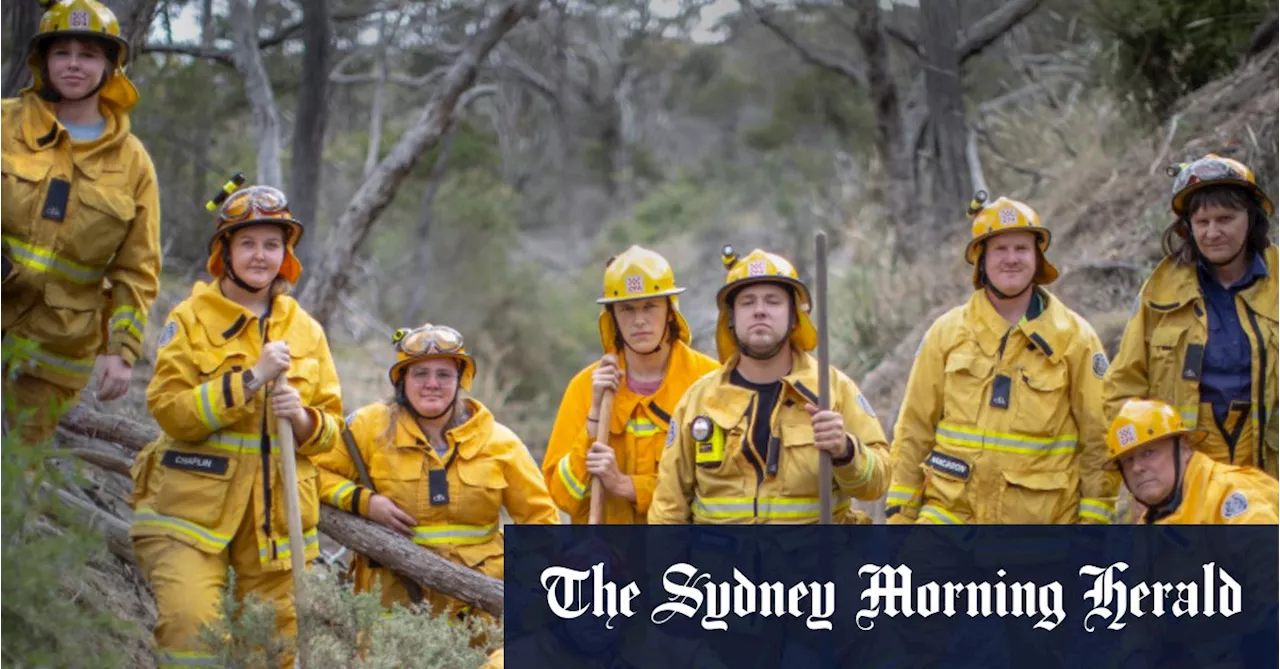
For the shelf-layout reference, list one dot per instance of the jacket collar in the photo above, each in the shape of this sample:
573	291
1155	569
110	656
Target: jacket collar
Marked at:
41	131
224	319
1049	331
728	404
468	438
680	360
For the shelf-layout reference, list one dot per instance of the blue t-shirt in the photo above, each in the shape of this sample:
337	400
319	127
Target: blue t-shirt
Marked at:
85	132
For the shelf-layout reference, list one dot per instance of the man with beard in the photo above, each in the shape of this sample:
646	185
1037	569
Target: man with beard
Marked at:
744	443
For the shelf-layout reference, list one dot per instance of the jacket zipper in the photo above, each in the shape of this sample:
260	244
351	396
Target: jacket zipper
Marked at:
1260	427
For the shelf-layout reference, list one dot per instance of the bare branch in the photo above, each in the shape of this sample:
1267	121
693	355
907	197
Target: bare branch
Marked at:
224	57
257	88
989	28
853	73
373	196
217	55
903	38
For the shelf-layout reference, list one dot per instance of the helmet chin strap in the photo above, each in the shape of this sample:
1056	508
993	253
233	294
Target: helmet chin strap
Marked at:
231	272
986	281
1161	508
775	350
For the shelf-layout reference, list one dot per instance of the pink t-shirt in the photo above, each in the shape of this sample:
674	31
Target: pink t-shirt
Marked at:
643	388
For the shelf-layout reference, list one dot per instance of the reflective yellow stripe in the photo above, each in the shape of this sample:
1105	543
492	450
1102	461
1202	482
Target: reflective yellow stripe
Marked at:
436	535
1189	413
764	507
863	475
956	435
900	495
938	515
44	260
1096	509
185	658
642	427
148	518
342	495
128	319
238	442
283	551
577	489
206	405
28	351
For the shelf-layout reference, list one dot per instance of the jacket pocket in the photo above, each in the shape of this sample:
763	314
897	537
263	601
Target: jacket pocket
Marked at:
215	363
1164	365
23	186
486	558
798	461
1043	401
73	323
141	473
945	491
304	376
193	485
1037	498
480	497
964	386
99	227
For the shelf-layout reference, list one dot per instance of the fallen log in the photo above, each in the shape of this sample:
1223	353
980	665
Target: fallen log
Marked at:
359	534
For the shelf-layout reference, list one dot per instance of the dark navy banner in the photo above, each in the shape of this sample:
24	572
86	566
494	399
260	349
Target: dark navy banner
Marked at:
891	596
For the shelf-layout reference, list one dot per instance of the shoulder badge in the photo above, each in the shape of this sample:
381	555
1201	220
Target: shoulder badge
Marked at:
1235	504
1100	364
866	406
168	333
700	429
671	435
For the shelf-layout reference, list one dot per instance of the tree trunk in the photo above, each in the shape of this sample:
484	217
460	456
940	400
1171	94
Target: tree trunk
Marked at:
257	88
899	190
135	20
22	19
321	295
420	268
944	92
363	536
311	118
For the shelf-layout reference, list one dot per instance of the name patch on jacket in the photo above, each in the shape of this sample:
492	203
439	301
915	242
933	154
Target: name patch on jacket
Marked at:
196	462
949	465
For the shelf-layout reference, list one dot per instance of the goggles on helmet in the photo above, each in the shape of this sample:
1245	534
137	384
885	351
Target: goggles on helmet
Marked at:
254	202
428	339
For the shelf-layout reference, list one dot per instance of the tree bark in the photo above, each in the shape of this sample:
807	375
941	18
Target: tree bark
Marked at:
135	20
23	19
363	536
311	118
257	88
944	91
321	295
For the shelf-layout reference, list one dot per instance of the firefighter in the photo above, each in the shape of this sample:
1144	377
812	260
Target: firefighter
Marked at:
1204	331
80	205
1002	418
745	440
1176	482
441	467
648	364
208	493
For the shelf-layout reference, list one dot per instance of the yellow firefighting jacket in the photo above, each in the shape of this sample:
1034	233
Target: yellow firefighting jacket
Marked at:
55	298
1163	346
718	480
637	431
1218	494
196	482
486	468
1003	424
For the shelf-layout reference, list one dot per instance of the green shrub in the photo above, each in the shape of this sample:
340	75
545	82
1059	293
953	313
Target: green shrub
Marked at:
1170	47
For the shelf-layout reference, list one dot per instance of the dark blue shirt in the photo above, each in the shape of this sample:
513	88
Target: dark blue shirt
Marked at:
1227	371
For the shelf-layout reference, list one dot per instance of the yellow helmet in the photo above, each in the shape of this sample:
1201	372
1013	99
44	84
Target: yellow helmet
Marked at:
85	19
637	274
1141	422
762	267
253	206
1213	170
431	341
1005	215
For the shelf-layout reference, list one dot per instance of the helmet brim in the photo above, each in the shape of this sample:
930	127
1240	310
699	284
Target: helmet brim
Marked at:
615	300
1179	202
1194	437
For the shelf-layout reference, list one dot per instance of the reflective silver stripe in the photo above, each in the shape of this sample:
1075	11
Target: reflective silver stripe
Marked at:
1002	441
45	260
935	514
27	350
577	489
899	494
765	507
128	319
1096	509
282	546
431	535
642	427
